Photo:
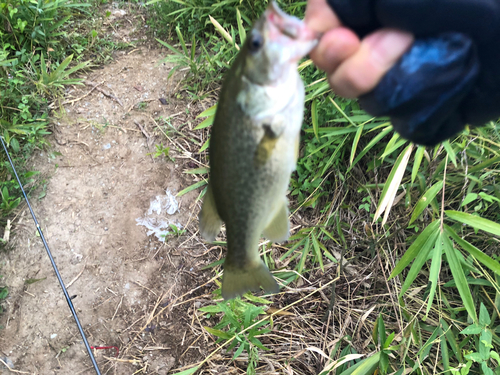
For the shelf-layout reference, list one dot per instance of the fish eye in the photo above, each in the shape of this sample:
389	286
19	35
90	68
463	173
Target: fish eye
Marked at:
256	42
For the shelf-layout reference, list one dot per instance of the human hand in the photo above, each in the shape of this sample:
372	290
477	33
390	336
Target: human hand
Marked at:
353	66
449	77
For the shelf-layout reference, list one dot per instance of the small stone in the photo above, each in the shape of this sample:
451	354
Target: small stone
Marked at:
8	362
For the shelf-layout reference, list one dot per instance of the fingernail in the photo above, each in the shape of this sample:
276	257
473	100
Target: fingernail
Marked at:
387	46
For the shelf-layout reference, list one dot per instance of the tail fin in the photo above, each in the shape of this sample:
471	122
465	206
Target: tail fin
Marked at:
237	281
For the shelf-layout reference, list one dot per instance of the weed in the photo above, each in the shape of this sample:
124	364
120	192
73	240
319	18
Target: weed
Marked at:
8	202
176	231
359	185
162	151
237	316
484	356
51	83
4	292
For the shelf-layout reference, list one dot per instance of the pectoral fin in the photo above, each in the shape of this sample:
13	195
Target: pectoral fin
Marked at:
265	147
279	228
210	221
273	128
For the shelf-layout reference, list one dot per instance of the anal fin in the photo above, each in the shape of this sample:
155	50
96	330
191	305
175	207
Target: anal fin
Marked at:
279	228
210	221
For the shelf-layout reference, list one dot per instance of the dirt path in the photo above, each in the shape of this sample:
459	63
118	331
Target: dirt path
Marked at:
99	181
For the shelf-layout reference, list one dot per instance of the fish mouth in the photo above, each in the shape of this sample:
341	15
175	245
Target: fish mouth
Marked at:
290	32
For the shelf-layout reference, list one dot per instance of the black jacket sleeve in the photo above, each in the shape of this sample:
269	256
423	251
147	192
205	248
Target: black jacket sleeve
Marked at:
450	77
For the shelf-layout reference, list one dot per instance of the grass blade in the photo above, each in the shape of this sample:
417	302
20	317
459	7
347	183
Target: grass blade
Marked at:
435	269
355	143
425	200
416	162
451	153
417	246
223	32
392	184
459	276
474	251
241	29
420	259
208	112
372	143
188	371
192	187
475	221
314	117
205	123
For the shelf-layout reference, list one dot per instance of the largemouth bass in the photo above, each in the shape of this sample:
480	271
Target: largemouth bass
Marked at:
254	148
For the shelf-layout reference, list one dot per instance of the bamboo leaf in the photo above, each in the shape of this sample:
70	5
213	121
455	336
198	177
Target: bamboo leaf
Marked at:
474	251
364	367
372	143
208	112
445	356
171	48
435	269
452	340
205	123
201	170
392	184
393	145
355	143
425	200
188	371
459	276
469	198
416	162
332	366
420	259
192	187
415	248
314	117
303	258
451	153
60	69
241	29
475	221
205	146
223	32
317	252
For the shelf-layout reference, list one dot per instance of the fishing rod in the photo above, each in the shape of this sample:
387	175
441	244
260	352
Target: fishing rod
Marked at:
59	278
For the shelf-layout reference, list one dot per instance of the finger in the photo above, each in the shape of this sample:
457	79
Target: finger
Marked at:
361	72
320	17
334	47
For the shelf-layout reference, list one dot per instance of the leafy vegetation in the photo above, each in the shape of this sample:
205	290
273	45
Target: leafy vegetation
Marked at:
405	234
43	43
361	194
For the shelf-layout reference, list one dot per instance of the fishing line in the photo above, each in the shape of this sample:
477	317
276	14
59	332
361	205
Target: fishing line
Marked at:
66	295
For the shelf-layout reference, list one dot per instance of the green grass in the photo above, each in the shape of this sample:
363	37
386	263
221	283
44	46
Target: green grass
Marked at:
42	44
437	246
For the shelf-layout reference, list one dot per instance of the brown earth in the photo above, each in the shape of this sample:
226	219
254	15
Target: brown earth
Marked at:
100	178
130	289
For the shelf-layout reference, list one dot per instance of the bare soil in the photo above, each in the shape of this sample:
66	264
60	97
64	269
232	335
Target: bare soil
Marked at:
131	290
100	177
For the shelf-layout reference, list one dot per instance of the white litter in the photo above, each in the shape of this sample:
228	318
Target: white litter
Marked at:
156	220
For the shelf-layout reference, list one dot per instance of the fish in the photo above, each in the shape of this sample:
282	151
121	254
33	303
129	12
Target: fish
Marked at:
254	145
